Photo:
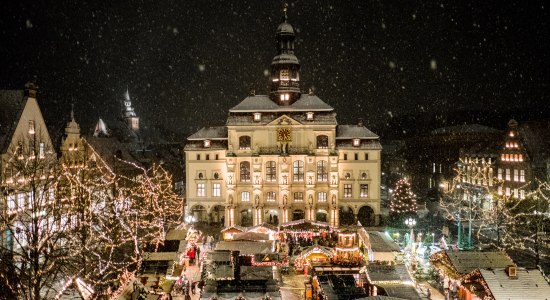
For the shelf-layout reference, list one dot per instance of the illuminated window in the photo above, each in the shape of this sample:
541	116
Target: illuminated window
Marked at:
511	133
321	197
356	142
347	190
516	175
201	191
270	196
285	97
499	190
309	116
270	171
298	197
322	172
507	191
245	196
257	117
499	174
31	127
245	171
508	174
364	191
520	157
12	204
298	170
521	175
21	200
216	190
322	142
41	150
206	143
516	193
244	142
521	194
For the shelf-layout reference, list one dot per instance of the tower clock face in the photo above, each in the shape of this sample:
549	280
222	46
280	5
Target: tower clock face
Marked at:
284	135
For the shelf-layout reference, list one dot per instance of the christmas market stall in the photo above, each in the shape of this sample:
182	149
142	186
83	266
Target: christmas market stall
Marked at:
304	233
456	267
347	252
312	256
265	228
228	232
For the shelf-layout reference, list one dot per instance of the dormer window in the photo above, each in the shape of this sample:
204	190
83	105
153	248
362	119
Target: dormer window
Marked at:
257	117
285	97
356	142
206	143
309	116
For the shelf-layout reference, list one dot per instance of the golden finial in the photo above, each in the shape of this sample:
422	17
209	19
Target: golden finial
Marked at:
285	9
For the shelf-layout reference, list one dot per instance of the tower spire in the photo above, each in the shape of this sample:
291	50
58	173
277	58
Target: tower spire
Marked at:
285	67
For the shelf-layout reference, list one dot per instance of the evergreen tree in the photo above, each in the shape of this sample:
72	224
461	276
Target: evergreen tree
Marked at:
403	202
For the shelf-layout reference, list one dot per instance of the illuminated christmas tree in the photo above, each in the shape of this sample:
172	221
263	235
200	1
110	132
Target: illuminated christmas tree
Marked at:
403	202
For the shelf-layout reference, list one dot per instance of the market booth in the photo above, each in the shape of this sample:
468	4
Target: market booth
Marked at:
228	232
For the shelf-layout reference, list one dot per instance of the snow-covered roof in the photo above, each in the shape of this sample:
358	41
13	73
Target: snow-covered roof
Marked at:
11	106
210	133
465	129
262	103
354	132
529	284
467	261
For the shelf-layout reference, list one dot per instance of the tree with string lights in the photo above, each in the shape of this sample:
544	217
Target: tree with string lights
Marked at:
403	202
119	212
33	250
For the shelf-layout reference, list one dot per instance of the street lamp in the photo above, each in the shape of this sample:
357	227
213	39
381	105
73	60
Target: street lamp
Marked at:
411	222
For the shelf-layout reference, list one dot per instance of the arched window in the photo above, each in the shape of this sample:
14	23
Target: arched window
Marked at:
322	174
298	170
245	171
322	142
244	142
270	171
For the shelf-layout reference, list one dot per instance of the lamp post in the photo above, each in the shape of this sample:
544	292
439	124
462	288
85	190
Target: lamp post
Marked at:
411	222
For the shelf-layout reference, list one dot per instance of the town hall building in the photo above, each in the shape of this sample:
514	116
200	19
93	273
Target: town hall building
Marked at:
282	157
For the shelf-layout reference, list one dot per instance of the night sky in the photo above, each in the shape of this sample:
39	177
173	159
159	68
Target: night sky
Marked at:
185	63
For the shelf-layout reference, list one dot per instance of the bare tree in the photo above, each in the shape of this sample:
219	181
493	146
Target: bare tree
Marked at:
118	211
35	229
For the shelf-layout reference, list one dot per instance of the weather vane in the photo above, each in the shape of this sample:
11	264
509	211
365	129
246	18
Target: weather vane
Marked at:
285	9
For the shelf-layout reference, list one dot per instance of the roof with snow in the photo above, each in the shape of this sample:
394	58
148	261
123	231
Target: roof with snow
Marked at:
465	129
354	132
11	107
262	103
529	284
209	133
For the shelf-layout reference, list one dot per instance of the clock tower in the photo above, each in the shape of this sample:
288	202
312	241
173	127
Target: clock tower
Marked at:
285	67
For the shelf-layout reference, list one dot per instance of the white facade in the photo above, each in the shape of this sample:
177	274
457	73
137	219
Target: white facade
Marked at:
282	157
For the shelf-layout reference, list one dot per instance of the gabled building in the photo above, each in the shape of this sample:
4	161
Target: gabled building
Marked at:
509	165
26	153
283	157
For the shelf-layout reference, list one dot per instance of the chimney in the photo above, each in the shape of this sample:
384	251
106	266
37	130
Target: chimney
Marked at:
360	123
30	90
